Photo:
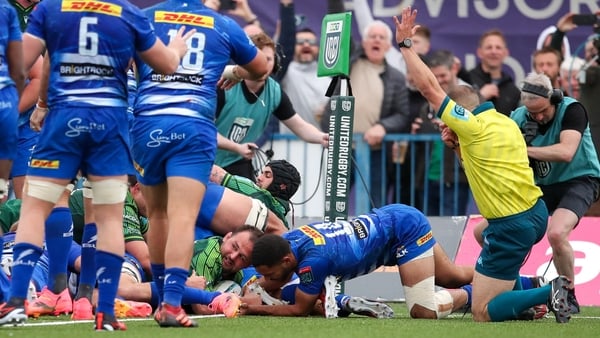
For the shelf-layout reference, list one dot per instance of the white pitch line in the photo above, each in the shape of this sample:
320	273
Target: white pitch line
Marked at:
70	322
73	322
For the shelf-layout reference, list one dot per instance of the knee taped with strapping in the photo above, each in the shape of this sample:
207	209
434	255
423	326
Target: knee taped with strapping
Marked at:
44	190
87	189
109	191
423	293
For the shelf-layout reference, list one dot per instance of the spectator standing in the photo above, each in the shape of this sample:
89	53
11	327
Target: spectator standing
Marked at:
547	61
570	70
488	77
305	89
447	186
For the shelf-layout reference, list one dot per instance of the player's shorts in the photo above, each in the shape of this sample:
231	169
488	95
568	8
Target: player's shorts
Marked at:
576	194
410	228
203	233
9	113
93	139
508	240
212	198
26	141
166	145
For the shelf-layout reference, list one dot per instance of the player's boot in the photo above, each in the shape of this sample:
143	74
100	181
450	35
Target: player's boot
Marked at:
131	309
533	313
173	316
226	303
573	303
50	303
104	322
329	303
557	299
363	307
82	309
15	315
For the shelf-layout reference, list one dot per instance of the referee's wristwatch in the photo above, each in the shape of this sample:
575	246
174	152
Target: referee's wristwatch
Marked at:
406	43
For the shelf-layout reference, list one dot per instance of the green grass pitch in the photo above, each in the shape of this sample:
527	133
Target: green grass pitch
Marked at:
586	324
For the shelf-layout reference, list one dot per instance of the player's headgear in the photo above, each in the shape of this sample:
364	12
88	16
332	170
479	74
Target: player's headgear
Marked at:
286	179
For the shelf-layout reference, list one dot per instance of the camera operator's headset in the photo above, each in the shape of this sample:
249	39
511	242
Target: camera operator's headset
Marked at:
556	95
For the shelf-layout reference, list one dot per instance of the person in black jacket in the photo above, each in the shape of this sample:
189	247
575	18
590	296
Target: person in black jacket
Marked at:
493	84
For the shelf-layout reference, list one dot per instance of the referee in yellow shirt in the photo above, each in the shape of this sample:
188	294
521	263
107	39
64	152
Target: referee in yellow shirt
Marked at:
494	156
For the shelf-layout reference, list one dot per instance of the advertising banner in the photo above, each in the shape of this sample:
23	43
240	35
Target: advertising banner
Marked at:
586	246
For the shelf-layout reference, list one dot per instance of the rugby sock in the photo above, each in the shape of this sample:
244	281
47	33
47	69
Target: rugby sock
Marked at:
173	285
526	283
108	271
59	235
197	296
154	296
158	275
509	305
25	257
4	287
342	302
87	275
469	290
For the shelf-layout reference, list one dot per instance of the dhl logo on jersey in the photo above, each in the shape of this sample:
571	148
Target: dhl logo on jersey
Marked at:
426	238
184	18
317	238
91	6
48	164
139	168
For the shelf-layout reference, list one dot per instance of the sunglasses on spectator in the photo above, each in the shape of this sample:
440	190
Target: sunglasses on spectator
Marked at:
312	42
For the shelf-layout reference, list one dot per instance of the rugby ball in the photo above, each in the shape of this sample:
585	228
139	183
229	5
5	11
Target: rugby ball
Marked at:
228	286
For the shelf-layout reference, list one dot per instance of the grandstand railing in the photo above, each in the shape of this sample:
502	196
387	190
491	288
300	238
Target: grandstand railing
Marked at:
310	160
